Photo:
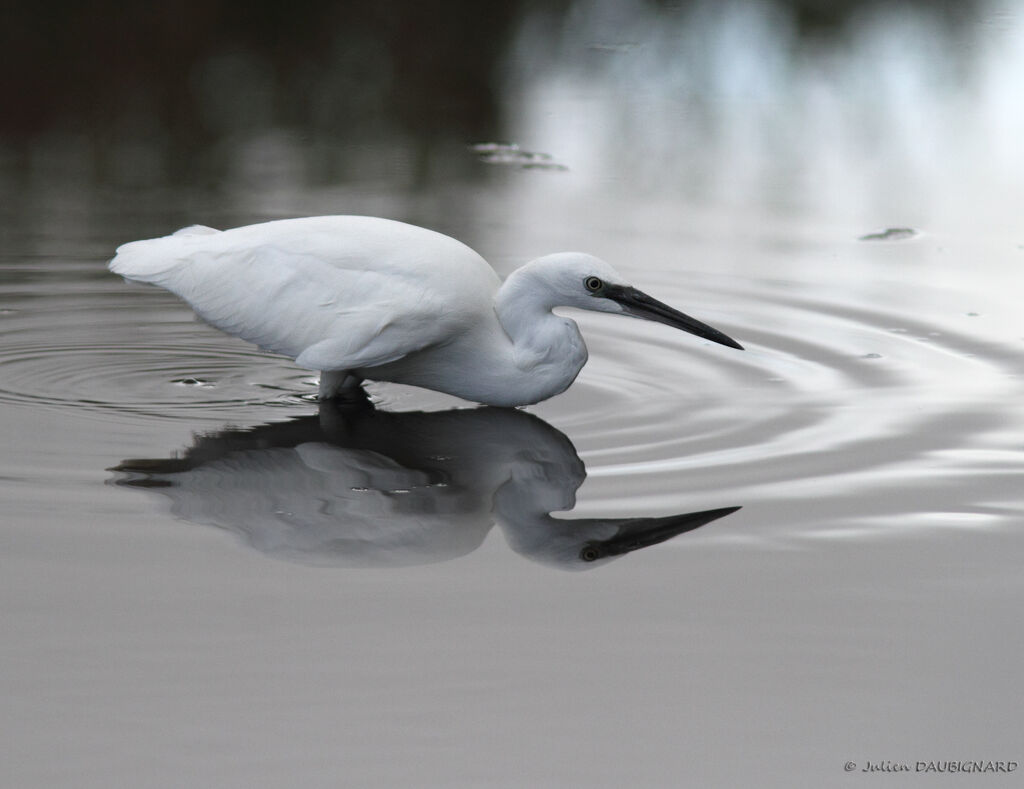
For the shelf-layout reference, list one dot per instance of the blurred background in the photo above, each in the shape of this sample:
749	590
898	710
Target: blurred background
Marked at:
894	112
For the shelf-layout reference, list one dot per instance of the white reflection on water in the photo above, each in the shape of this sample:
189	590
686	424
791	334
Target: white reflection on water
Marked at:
900	115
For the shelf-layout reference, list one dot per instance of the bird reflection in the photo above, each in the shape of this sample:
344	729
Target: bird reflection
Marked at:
359	487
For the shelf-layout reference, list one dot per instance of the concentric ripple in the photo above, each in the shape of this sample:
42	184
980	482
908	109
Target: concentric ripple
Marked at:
848	411
838	400
122	355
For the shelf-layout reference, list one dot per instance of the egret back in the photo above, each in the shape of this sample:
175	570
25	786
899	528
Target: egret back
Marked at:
364	291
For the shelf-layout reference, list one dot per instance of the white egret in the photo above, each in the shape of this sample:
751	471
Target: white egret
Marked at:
360	297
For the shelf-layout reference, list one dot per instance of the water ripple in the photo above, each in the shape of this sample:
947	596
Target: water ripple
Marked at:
828	402
840	396
115	356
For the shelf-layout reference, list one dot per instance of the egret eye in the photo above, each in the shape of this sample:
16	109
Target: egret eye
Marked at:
590	553
593	284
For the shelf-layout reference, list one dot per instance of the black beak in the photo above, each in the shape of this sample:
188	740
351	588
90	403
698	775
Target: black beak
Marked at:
640	305
643	532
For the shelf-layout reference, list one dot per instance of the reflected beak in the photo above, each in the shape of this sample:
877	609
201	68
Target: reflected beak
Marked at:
638	304
638	533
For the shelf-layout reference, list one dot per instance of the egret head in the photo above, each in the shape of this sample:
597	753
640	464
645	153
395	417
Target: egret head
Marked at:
589	283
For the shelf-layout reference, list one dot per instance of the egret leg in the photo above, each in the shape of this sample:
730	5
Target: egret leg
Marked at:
340	384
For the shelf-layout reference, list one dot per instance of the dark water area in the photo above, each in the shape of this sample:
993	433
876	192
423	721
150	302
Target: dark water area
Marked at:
694	567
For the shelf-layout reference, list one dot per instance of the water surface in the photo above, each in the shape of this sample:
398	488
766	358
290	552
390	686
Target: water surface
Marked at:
208	581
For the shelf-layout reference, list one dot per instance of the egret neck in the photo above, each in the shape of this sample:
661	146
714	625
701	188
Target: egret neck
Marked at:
545	346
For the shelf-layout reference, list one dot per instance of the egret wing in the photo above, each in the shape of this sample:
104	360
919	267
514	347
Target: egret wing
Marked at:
296	289
367	344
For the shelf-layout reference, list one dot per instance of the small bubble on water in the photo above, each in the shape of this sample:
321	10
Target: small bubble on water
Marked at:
871	356
193	382
291	399
510	154
890	234
613	47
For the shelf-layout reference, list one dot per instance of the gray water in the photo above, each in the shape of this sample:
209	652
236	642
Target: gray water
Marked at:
208	581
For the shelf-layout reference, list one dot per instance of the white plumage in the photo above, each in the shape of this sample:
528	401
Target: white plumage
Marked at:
361	297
